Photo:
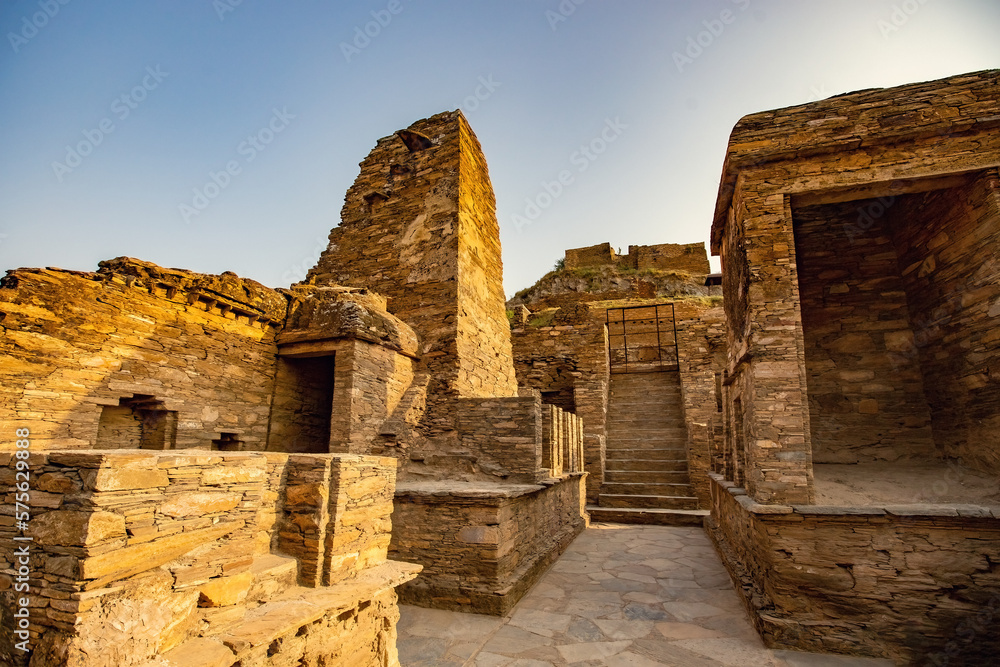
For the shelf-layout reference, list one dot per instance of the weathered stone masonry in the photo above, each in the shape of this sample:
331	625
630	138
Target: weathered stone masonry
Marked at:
858	238
562	349
419	227
76	343
181	558
210	369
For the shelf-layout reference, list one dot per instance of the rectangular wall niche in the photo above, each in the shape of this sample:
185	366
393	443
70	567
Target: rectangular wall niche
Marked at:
228	442
139	422
302	406
900	301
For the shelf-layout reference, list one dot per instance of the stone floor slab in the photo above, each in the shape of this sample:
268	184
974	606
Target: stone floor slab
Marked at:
621	596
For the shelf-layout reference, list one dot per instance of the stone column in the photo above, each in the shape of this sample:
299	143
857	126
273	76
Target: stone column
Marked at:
776	418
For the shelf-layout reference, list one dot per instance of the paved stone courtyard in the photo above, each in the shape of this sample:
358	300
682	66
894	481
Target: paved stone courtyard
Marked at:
635	596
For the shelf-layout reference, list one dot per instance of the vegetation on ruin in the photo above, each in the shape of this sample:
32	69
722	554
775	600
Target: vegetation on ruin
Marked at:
668	283
543	318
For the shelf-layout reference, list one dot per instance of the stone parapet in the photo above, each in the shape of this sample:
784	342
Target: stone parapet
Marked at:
906	582
483	546
505	431
133	554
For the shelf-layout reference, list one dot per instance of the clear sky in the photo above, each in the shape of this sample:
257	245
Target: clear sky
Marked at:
223	135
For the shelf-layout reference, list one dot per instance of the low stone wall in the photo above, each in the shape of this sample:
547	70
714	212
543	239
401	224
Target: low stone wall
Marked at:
483	546
508	431
570	355
562	442
919	584
129	555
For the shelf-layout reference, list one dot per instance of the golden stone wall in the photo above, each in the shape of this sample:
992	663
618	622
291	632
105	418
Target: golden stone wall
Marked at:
199	346
419	227
142	558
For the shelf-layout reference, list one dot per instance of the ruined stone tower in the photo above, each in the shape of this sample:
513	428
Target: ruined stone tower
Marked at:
419	227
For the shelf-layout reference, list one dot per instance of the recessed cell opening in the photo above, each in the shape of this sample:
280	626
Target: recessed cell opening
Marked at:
137	422
900	304
302	405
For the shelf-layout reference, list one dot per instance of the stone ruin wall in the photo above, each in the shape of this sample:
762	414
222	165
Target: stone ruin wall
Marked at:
700	346
568	357
505	540
419	227
201	348
900	343
155	559
926	252
345	374
689	258
866	394
484	348
597	255
917	584
907	178
951	269
564	354
483	544
140	356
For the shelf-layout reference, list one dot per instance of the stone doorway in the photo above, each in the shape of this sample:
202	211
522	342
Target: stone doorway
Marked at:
303	405
895	293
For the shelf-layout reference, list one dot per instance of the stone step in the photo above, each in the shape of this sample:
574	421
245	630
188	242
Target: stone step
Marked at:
644	431
645	399
631	380
647	414
625	436
659	419
655	465
638	406
665	502
271	575
638	450
630	385
268	576
672	489
646	438
646	443
661	394
672	428
647	395
647	516
654	476
648	453
291	612
645	424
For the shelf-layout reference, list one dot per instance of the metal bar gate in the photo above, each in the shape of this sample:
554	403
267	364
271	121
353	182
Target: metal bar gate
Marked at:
642	339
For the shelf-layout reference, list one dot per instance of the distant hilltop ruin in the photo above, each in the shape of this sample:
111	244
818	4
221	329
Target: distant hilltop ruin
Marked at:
688	257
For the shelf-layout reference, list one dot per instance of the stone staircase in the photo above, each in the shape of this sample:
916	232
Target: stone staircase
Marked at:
646	471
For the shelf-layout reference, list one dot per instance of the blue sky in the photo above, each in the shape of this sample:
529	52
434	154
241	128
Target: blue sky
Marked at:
222	135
